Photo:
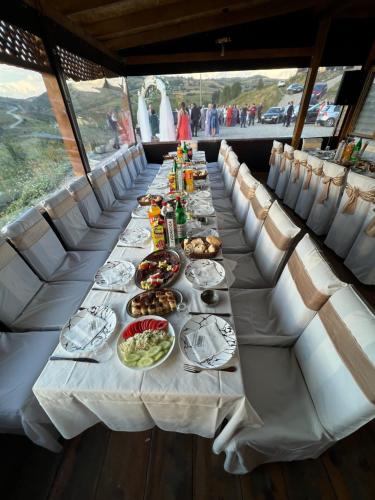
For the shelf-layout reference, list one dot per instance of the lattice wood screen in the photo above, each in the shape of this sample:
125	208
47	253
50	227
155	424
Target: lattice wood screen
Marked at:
21	48
80	69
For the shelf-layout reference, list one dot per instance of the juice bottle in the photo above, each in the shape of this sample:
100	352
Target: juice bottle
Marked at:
154	212
157	234
189	181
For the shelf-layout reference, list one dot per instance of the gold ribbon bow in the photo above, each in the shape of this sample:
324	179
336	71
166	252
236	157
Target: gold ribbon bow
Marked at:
309	172
297	169
278	150
327	181
286	156
353	193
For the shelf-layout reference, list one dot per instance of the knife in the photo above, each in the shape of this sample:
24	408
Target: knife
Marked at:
85	360
210	313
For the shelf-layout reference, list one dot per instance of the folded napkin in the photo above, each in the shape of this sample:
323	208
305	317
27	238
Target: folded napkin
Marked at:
206	342
119	273
85	330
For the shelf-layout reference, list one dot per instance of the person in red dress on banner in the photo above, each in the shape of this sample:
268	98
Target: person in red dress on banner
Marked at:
229	116
183	124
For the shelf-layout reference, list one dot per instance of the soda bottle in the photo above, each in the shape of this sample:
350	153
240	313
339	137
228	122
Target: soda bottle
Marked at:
180	221
170	226
154	212
357	151
185	152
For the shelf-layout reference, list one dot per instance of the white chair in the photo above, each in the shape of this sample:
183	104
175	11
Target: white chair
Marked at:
216	179
121	192
327	198
22	359
360	259
311	179
82	193
295	181
274	163
244	190
147	166
358	198
284	170
138	164
261	268
137	182
38	244
104	193
277	316
70	224
133	190
29	304
243	241
311	143
324	390
231	170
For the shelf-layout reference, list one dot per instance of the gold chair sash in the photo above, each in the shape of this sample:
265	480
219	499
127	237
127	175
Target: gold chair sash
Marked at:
99	181
327	181
82	192
62	208
260	212
312	298
246	190
113	171
286	156
297	169
353	193
278	150
370	229
309	171
280	241
33	234
349	350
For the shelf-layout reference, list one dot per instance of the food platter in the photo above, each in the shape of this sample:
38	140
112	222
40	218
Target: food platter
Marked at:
145	200
159	269
145	343
143	303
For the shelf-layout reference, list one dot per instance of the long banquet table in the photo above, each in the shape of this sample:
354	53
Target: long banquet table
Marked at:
78	395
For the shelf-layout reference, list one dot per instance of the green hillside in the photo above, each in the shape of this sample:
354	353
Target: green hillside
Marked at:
269	96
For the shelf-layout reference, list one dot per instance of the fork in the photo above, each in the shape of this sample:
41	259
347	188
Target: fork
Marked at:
195	369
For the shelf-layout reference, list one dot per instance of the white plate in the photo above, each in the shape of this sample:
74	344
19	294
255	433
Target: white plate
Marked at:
123	279
100	338
134	237
171	333
196	269
195	323
141	212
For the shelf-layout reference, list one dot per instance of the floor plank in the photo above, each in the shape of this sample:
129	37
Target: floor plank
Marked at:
124	471
210	481
171	465
264	483
78	478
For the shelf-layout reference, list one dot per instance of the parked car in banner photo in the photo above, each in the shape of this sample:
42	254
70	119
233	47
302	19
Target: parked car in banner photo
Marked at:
281	83
319	90
294	88
311	115
273	115
329	115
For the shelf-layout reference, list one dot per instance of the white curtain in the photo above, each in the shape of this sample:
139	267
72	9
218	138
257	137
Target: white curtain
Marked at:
143	119
167	127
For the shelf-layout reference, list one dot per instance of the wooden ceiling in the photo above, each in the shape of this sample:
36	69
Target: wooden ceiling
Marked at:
150	32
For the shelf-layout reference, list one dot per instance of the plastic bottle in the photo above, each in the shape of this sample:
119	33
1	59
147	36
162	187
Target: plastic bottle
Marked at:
157	234
179	177
170	226
189	180
357	151
180	221
154	212
339	151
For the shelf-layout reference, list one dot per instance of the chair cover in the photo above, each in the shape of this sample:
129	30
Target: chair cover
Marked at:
133	190
137	162
261	268
278	316
26	303
39	246
72	227
104	193
358	198
133	171
232	167
327	198
153	166
235	241
82	193
222	151
284	170
311	178
121	192
294	186
274	162
22	358
310	143
360	259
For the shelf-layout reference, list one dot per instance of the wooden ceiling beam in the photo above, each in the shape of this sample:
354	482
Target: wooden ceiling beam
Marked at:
170	14
69	7
268	9
216	56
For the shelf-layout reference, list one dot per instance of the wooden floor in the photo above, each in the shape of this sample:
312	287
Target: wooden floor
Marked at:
157	465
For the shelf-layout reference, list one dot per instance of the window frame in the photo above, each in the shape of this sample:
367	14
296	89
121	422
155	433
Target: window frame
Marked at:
370	79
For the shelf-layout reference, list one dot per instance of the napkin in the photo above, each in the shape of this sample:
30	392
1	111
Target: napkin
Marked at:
85	330
206	342
115	274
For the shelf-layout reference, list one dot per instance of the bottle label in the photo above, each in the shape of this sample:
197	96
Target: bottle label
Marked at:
170	233
181	231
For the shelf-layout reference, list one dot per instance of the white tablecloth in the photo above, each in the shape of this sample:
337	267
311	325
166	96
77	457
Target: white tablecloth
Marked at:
78	395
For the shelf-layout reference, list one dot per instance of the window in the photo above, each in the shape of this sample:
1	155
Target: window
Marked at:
249	104
101	106
38	153
365	125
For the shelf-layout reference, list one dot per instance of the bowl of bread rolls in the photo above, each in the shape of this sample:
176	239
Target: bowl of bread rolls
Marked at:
201	247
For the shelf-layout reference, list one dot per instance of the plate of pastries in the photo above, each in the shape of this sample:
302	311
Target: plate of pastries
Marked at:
146	199
160	302
202	247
